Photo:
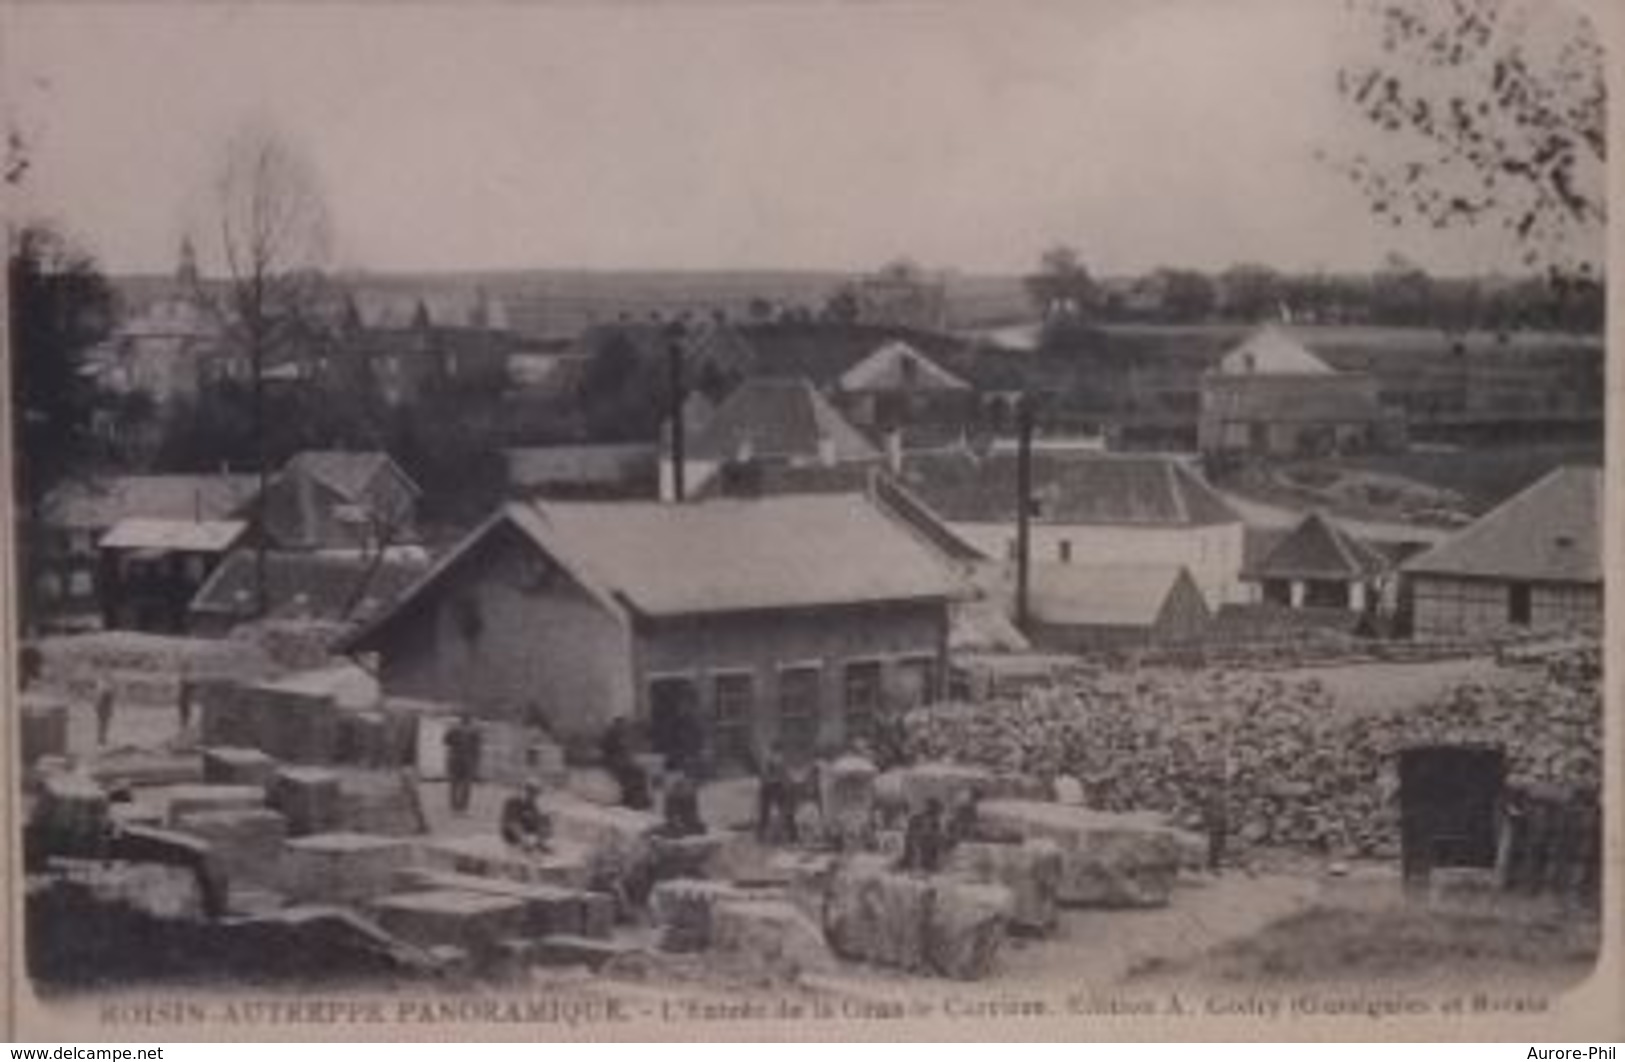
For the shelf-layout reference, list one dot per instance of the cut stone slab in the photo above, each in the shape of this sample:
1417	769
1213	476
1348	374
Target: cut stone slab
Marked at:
966	929
616	842
1107	859
1030	870
44	727
848	795
687	857
476	922
184	800
236	766
385	802
683	911
547	908
144	768
246	844
310	797
923	924
489	856
774	937
591	952
343	867
915	785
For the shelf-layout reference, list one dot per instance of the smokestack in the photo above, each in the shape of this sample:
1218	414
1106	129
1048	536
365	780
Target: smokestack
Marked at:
1024	506
674	355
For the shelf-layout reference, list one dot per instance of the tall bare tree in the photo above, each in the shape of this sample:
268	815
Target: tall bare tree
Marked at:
274	237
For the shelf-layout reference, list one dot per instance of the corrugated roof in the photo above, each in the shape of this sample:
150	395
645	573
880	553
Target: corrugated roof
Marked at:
1319	549
186	536
1550	531
736	555
99	504
1073	487
1270	351
777	418
897	366
1103	595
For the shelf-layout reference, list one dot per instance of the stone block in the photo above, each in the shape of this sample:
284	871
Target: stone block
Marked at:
246	844
1107	860
848	795
238	766
1031	871
616	841
476	922
918	923
383	802
310	797
772	937
547	908
184	800
686	857
44	725
147	768
489	856
343	867
683	911
591	952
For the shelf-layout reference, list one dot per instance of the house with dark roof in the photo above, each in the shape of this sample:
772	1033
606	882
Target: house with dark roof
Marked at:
718	628
1271	397
341	500
1088	508
1319	565
149	569
897	386
1534	563
769	422
80	513
330	587
1086	608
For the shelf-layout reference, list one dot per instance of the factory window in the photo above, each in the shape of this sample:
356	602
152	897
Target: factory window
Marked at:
733	704
1519	604
798	711
862	697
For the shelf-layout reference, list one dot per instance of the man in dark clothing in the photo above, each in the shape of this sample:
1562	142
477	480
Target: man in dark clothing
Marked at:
682	808
524	824
462	761
615	749
184	700
923	839
963	823
772	796
104	710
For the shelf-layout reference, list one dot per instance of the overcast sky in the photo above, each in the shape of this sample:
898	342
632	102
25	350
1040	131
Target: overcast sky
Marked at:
819	135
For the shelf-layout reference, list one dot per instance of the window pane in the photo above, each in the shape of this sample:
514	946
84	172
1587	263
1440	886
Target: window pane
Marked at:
862	698
798	710
731	721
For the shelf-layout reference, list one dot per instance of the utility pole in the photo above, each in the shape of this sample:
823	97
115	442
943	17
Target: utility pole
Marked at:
674	364
1024	507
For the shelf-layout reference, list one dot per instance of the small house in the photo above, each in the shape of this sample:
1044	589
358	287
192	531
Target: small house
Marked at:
731	626
1532	564
1318	565
150	569
1084	608
339	500
1271	397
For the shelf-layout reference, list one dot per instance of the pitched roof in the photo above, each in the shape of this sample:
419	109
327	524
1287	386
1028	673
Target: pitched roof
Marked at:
346	472
720	556
1319	549
185	536
1103	595
1073	487
1550	531
101	503
1270	351
778	418
318	585
898	366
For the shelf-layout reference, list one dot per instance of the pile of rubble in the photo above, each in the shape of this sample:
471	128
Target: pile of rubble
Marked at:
1294	770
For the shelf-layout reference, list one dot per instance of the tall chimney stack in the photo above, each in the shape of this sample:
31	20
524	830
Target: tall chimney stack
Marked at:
674	356
1024	508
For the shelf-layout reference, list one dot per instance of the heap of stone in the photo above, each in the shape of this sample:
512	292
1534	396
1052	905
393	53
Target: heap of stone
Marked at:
1302	773
930	924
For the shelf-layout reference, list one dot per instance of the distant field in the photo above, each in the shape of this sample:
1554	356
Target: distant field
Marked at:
1484	477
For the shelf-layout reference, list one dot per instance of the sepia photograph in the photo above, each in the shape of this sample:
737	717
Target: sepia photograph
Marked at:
808	520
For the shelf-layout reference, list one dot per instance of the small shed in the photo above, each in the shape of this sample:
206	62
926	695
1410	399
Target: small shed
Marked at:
151	569
1099	607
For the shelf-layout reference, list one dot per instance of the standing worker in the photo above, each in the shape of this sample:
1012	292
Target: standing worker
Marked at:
184	699
462	761
1216	821
104	710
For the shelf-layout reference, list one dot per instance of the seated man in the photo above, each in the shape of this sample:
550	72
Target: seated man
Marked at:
923	839
524	824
